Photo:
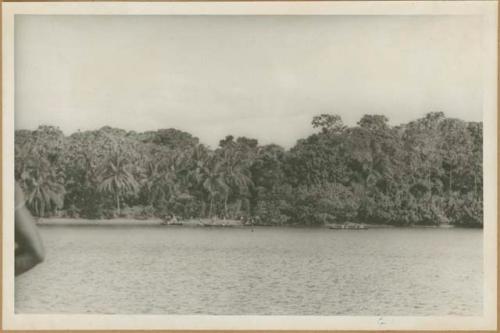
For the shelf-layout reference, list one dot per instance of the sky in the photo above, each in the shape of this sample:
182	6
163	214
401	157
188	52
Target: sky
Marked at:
263	77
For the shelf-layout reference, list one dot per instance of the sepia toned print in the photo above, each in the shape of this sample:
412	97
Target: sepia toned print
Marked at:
227	167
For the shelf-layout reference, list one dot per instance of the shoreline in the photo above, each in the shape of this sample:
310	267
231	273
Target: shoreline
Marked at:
200	223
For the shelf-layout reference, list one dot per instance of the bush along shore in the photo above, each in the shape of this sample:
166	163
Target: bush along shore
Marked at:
213	222
427	172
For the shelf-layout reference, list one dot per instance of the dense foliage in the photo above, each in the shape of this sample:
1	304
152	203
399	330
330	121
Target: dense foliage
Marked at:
426	172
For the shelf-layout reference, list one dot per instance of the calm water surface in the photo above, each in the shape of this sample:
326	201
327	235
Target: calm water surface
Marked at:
175	270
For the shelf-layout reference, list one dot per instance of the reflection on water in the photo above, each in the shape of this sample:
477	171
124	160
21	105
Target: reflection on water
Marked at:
271	271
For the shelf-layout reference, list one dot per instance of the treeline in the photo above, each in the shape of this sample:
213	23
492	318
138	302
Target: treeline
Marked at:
426	172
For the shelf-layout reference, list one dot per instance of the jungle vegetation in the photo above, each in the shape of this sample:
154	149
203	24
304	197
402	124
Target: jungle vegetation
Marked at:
425	172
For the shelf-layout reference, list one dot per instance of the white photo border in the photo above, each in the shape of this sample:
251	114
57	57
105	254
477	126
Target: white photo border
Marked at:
487	9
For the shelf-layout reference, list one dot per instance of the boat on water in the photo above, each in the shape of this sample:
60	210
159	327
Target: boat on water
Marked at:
348	226
171	221
202	222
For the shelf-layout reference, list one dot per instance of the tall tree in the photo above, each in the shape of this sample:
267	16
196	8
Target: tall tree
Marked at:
116	177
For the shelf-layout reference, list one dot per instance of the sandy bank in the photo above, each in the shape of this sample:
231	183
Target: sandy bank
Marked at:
153	221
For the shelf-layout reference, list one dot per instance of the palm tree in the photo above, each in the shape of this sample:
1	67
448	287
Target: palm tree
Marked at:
43	185
116	177
160	180
213	181
236	172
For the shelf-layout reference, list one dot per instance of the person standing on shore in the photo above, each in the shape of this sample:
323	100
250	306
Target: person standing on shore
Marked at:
29	250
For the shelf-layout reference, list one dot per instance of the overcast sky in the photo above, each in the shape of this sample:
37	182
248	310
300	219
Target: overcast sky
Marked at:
260	76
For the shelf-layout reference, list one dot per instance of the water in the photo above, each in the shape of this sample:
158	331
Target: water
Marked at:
271	271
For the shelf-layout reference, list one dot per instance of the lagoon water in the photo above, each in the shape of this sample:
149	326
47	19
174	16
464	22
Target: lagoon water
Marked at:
270	271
